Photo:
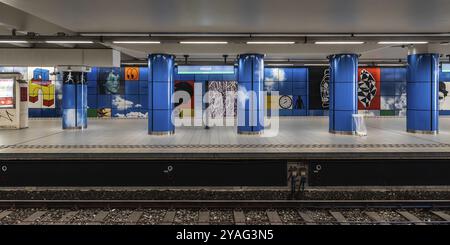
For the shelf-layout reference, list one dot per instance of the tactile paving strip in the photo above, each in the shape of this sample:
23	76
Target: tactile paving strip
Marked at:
343	146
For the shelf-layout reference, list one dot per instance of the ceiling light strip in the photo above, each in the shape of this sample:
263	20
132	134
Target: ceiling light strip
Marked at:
339	42
203	42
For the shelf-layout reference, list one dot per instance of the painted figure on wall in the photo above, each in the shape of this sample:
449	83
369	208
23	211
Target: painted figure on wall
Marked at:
324	89
41	85
444	102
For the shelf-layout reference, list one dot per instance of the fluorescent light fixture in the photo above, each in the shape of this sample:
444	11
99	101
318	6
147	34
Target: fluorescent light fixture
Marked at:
316	64
338	42
391	65
69	42
13	41
269	42
280	64
402	42
203	42
115	34
136	42
198	35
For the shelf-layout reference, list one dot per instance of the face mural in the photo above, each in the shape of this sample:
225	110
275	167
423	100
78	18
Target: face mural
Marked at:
110	81
220	104
444	100
319	95
368	89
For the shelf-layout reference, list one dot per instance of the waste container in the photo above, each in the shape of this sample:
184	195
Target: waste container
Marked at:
359	124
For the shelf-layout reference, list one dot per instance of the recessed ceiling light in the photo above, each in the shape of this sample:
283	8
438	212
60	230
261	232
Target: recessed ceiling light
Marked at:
13	41
403	42
69	42
269	42
203	42
339	42
136	42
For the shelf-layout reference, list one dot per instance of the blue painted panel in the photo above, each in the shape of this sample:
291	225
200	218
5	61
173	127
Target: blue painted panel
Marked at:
104	101
131	87
389	75
34	112
92	90
388	88
285	88
299	112
93	75
300	75
92	101
143	74
345	96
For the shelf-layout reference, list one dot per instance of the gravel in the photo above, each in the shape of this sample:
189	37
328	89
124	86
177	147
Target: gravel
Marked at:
186	217
356	216
322	217
17	216
425	215
118	217
256	217
51	217
390	215
152	216
84	217
289	216
219	195
221	217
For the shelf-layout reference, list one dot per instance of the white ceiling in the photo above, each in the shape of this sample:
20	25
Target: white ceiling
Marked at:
242	15
246	16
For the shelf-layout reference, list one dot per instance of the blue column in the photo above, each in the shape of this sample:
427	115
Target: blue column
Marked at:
74	100
160	92
422	114
343	93
250	97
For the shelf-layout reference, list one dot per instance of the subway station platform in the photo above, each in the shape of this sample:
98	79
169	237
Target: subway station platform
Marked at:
297	138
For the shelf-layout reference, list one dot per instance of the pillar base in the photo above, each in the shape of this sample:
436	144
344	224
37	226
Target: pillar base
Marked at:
75	128
343	132
162	133
250	132
412	131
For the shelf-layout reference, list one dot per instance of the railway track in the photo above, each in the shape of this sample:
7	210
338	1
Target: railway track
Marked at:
205	212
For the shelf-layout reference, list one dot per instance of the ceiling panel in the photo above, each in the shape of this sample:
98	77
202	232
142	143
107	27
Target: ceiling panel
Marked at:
253	16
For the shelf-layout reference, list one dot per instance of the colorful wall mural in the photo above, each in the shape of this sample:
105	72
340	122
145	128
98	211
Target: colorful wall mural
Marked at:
123	92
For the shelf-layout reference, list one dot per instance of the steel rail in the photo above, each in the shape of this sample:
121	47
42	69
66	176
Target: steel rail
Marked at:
235	204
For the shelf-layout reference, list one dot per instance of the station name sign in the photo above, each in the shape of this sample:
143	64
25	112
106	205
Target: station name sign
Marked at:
205	69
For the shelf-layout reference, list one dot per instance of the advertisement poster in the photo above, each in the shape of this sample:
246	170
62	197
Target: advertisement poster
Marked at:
6	93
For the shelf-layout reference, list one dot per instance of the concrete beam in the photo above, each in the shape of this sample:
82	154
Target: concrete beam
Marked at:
54	57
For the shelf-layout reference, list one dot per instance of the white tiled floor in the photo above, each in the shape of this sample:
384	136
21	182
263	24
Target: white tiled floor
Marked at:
296	134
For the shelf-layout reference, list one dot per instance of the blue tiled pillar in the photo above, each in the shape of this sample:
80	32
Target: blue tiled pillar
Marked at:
422	114
250	97
74	100
343	93
160	92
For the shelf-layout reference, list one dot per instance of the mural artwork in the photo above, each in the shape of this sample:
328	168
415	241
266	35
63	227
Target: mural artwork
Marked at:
369	89
41	88
319	95
186	108
229	102
110	81
444	100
